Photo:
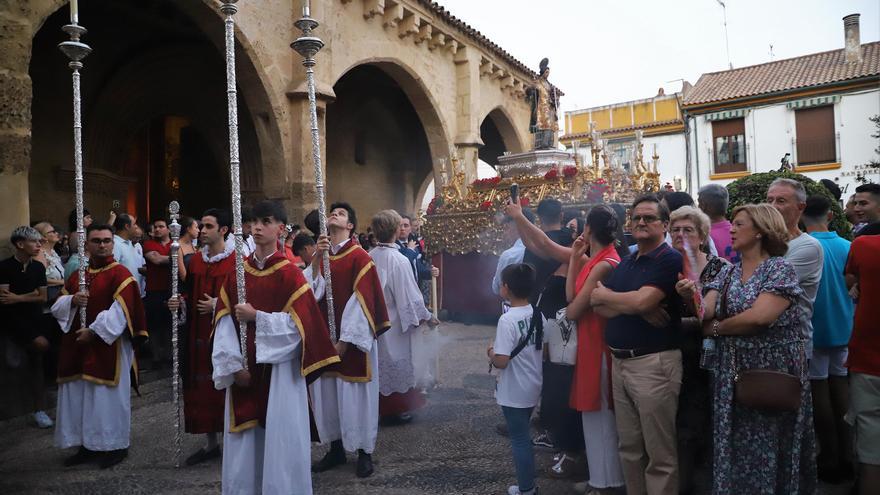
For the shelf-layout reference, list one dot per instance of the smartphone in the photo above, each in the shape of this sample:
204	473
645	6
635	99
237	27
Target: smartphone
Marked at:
514	193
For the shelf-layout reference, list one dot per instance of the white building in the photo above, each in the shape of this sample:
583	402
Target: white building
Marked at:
815	109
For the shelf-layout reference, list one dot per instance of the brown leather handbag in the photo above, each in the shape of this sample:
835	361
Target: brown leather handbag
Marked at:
765	390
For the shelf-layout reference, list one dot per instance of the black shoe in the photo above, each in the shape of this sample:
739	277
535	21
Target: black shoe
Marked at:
112	458
832	476
396	419
336	457
82	456
364	465
203	455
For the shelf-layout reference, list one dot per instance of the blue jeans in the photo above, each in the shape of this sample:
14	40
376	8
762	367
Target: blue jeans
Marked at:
521	445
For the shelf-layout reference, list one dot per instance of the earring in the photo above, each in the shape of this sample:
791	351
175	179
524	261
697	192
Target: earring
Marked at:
757	236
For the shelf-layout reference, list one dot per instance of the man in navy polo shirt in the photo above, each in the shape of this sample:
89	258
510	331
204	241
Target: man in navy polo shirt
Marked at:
643	333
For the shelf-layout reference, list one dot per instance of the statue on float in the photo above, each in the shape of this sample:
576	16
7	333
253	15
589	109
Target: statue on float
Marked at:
544	100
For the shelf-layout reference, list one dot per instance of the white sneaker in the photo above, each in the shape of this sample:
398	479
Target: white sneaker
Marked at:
514	490
43	420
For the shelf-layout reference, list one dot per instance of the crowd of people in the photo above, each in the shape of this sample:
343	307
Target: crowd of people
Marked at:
743	344
651	340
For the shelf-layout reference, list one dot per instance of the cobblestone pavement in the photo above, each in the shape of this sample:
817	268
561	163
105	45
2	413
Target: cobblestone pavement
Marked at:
450	448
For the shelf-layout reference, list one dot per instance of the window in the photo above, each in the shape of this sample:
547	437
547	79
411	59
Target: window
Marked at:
730	145
622	153
816	142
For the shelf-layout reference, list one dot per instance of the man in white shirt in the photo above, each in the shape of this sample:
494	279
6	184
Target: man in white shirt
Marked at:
124	251
805	253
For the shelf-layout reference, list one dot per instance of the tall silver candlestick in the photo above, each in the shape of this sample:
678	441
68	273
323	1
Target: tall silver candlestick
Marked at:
228	9
76	51
307	46
173	215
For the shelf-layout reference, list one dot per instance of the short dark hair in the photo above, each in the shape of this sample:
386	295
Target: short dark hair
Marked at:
519	279
71	219
550	210
312	222
832	187
247	214
352	217
122	221
159	219
268	208
98	226
300	242
652	198
406	216
818	206
870	189
677	199
221	215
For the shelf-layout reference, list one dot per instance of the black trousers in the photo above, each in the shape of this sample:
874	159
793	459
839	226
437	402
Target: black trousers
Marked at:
561	421
158	324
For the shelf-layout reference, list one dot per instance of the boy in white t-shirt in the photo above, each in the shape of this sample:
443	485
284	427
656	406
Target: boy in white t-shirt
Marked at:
519	386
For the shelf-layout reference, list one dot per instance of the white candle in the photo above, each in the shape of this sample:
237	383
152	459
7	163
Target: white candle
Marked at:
306	9
74	11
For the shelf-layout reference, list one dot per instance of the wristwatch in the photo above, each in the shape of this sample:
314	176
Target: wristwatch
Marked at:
715	325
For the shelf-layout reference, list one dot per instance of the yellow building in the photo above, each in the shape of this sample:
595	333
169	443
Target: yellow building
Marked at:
660	120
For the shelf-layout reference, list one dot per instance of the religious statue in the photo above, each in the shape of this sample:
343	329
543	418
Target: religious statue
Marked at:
544	99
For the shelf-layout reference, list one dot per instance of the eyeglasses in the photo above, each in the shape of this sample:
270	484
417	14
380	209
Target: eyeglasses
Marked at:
101	241
683	230
646	218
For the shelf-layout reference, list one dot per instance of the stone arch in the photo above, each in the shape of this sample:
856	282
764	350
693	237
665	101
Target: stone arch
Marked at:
421	98
262	143
499	121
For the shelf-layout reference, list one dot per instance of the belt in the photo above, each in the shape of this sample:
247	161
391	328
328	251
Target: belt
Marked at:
640	351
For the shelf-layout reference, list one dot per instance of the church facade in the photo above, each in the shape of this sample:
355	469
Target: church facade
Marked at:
402	86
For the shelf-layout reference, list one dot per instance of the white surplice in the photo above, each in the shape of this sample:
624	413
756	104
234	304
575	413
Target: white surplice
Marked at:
98	417
348	411
406	309
277	459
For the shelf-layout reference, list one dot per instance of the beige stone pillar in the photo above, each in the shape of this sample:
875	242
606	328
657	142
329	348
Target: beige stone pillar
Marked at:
15	120
467	102
301	171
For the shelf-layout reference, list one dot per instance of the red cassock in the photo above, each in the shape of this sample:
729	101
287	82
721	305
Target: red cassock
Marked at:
202	403
353	273
278	287
97	361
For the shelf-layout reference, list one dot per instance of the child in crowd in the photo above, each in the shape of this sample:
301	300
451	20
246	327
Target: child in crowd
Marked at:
517	353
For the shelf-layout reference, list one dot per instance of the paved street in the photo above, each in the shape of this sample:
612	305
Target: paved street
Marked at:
451	447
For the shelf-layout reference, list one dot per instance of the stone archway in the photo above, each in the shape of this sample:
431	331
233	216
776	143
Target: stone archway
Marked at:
151	60
499	136
383	134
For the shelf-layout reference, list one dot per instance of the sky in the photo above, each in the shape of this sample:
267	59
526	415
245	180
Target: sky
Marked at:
610	51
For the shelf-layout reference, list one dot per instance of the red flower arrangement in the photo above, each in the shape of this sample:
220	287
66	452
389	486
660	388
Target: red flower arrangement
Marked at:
551	174
488	182
435	203
485	205
569	171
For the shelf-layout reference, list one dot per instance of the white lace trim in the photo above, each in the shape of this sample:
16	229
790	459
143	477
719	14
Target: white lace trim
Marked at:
396	376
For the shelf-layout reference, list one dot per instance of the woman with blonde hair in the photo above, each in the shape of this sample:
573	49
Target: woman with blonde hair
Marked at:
751	312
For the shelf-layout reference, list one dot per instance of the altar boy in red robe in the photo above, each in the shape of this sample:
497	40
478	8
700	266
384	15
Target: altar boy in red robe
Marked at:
205	275
96	365
346	398
266	445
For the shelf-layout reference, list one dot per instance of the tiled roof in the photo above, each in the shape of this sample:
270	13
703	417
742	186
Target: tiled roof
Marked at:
649	125
816	69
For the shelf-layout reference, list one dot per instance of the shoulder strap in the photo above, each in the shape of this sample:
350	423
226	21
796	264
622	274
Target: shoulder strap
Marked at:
612	261
536	326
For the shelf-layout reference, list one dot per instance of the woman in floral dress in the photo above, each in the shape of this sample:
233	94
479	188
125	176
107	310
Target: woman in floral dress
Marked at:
757	452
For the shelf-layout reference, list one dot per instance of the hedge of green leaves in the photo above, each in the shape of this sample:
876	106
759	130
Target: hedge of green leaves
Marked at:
753	189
